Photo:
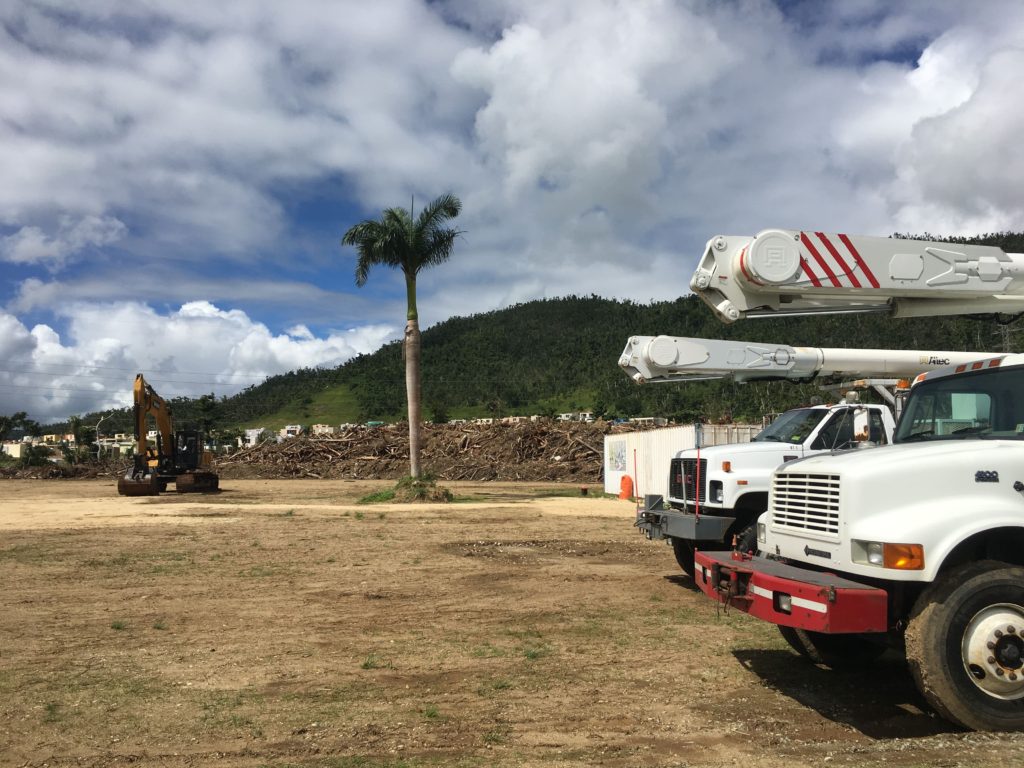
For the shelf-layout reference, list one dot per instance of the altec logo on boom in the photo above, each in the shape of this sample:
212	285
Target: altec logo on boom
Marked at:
840	265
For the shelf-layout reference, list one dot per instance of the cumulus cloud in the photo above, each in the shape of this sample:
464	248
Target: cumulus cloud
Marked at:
196	349
30	245
596	147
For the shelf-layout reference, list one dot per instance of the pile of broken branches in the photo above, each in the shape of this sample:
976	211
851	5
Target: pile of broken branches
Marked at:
567	452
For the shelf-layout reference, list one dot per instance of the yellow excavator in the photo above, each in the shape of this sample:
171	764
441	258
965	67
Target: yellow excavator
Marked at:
179	457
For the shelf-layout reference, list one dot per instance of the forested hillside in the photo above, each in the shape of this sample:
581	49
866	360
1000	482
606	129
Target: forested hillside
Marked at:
561	354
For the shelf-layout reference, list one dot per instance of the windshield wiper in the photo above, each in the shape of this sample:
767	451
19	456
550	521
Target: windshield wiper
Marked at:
918	435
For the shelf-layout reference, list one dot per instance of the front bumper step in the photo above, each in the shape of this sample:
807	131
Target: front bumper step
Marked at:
791	596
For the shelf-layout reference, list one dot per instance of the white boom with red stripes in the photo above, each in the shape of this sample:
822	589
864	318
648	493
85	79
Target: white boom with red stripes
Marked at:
791	272
649	359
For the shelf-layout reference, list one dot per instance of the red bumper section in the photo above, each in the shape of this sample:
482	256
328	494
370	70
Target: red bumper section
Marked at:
791	596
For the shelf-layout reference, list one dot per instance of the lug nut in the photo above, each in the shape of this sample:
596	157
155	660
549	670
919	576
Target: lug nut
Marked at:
991	646
1013	675
1011	630
999	633
991	659
999	671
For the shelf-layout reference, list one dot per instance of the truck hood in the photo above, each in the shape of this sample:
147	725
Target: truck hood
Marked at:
730	451
887	459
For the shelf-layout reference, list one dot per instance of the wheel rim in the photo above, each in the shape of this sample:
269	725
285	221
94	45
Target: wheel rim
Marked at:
993	651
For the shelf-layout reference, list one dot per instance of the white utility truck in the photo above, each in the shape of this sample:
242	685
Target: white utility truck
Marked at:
717	493
918	545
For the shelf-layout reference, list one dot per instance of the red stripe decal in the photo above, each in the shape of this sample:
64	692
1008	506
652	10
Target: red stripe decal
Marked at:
807	271
839	259
859	260
820	259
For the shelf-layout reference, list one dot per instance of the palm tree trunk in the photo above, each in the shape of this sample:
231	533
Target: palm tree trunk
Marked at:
412	392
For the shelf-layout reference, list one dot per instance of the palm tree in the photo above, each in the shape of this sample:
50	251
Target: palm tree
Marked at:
399	240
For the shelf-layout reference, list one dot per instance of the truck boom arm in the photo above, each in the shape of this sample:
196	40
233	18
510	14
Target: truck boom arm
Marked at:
786	272
672	358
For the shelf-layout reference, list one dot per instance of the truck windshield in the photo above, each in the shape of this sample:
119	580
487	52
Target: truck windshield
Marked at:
792	426
982	405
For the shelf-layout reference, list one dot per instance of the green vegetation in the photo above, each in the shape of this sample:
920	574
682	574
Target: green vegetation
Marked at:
556	355
409	489
373	661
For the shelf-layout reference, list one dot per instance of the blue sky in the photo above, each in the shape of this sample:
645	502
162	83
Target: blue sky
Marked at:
178	173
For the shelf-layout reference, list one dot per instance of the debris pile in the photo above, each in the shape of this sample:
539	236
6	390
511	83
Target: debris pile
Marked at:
566	452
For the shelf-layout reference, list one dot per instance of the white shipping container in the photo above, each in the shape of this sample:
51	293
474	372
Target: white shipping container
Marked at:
645	456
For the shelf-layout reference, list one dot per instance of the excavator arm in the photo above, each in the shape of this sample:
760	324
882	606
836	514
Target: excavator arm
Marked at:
790	272
148	403
672	358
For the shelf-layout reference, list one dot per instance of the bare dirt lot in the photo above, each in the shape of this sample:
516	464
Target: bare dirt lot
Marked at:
280	623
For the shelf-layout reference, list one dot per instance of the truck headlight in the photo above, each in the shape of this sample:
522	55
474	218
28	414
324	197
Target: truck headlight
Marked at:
762	533
875	554
715	491
902	557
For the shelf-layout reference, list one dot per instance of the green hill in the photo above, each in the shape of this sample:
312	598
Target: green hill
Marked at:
561	355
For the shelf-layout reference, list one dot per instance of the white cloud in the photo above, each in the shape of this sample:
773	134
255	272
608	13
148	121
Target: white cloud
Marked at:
194	350
30	245
595	146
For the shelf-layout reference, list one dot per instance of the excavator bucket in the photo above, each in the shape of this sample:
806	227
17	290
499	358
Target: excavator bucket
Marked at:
148	485
197	482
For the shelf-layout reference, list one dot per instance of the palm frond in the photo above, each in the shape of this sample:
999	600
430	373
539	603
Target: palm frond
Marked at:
397	240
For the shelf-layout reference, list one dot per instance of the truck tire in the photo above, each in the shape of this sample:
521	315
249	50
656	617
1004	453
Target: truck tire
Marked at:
965	647
840	651
746	540
683	549
793	637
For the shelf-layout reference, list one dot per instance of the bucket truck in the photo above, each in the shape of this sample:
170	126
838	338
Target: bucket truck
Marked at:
717	493
178	457
918	545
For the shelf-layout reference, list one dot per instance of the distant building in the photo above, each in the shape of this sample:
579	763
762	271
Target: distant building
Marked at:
252	436
323	429
483	421
514	419
576	416
291	430
649	421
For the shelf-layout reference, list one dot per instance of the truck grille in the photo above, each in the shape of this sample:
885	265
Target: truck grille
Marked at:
682	482
806	502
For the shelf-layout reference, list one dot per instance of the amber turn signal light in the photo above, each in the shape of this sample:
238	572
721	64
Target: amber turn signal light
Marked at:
904	557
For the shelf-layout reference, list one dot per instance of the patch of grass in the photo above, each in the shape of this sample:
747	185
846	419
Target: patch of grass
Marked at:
221	710
411	490
373	661
118	625
431	712
117	561
488	651
491	686
27	553
377	497
288	513
52	712
360	516
536	651
498	734
159	624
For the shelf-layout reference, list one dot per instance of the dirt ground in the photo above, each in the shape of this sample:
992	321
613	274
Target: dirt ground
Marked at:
280	623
